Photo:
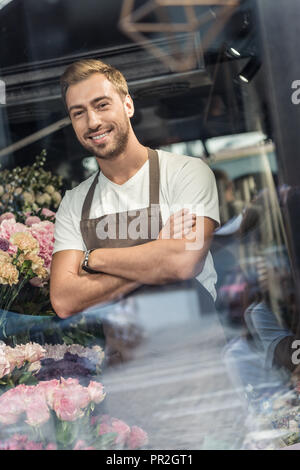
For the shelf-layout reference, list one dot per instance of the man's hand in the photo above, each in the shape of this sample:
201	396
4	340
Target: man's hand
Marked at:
71	292
178	225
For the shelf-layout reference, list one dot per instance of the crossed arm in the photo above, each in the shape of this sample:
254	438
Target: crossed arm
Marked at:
124	269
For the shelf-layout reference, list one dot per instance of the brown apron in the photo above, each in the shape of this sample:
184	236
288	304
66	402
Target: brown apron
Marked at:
150	217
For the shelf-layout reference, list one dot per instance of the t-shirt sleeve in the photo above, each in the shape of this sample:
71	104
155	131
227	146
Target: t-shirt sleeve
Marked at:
67	235
195	189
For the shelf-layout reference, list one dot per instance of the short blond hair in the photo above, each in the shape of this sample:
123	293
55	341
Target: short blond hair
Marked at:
83	69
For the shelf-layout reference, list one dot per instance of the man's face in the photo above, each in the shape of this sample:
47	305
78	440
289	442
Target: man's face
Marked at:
100	116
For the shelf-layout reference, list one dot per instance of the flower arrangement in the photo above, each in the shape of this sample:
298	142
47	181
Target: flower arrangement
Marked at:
25	255
57	414
29	189
17	365
20	262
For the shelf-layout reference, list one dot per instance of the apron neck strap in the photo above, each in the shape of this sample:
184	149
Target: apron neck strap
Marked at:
153	185
153	177
85	213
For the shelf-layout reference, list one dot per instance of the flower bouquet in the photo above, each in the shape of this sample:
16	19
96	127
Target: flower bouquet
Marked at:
19	263
29	196
18	365
58	414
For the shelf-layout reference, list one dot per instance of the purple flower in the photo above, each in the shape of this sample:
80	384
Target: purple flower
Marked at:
70	366
4	244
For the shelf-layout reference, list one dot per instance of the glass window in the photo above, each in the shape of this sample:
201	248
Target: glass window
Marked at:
204	356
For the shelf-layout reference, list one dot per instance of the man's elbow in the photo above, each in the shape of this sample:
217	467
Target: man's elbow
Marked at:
187	268
61	305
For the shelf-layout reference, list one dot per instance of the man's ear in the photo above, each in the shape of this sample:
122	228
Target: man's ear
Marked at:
129	106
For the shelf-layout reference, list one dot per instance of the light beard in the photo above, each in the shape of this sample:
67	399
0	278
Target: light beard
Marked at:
117	148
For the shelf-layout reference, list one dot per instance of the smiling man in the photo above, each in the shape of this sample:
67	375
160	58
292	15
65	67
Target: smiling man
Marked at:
128	225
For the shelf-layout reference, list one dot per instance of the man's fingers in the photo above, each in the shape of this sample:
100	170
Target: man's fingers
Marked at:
188	219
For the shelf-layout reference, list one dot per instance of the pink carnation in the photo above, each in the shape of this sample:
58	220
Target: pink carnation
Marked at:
47	213
43	232
7	228
33	219
96	392
137	438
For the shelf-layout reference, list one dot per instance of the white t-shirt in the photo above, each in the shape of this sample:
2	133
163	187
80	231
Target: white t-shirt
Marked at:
184	182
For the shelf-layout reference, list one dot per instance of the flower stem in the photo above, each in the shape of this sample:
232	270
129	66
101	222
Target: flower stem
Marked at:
15	293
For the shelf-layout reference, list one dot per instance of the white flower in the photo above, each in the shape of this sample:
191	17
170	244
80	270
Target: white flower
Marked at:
49	189
56	197
28	197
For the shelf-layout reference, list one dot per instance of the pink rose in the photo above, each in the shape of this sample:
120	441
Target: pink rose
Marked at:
15	356
68	382
4	365
11	406
81	445
51	446
137	438
96	392
34	367
114	425
48	388
34	352
30	395
31	445
65	406
12	444
37	412
104	428
122	429
16	442
79	394
33	219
